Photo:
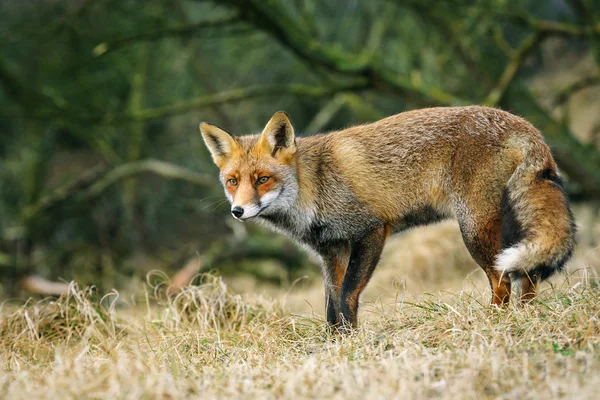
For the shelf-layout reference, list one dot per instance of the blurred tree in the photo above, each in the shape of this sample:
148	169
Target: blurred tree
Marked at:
100	102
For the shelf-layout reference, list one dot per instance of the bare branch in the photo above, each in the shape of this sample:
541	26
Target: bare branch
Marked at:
518	57
161	168
184	276
522	17
580	162
96	180
37	284
234	95
182	31
27	97
555	28
501	42
356	103
63	192
583	83
365	111
326	114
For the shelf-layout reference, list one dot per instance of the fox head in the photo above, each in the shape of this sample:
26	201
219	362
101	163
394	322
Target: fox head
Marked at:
258	172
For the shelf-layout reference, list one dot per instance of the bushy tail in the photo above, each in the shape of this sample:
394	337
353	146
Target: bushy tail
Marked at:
538	230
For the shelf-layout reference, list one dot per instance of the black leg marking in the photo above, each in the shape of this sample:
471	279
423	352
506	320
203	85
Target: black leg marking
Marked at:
363	260
335	262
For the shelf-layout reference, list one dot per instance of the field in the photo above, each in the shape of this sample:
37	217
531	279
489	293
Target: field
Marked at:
425	331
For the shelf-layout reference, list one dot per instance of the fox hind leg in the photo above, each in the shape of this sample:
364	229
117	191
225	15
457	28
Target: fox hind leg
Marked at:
482	238
525	287
500	284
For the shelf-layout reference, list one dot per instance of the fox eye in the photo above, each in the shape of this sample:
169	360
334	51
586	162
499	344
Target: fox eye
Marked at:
232	182
262	179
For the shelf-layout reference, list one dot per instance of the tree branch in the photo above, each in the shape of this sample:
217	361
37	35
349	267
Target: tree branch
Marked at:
96	180
555	28
23	94
583	83
182	31
448	31
523	18
231	96
228	96
161	168
37	284
364	110
65	191
510	71
272	18
326	114
580	162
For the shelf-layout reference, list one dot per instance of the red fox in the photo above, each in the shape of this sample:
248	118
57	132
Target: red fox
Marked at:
341	194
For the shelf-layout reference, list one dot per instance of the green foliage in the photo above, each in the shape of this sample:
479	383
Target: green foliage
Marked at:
89	87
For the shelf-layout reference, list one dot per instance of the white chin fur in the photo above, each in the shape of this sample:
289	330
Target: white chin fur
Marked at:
250	212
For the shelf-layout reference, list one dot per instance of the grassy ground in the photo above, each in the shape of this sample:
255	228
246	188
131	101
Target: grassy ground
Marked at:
209	342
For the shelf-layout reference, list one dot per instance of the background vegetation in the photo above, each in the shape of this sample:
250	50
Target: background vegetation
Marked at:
103	173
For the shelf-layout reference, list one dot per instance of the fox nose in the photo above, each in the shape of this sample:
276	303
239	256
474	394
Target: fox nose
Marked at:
237	211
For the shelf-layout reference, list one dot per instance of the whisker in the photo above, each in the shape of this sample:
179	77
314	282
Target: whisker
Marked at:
216	204
220	196
219	204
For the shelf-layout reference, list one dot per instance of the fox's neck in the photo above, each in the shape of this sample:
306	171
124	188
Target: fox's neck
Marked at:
302	210
308	164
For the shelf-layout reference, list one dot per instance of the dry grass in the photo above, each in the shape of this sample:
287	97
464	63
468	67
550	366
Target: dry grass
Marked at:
210	342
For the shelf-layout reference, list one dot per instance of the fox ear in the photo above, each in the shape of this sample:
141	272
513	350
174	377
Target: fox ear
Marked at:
278	136
219	142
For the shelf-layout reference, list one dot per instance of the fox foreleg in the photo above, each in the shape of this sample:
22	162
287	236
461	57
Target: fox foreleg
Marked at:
335	262
363	260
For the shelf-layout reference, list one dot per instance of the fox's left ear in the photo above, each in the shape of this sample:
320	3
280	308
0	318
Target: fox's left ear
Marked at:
278	136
